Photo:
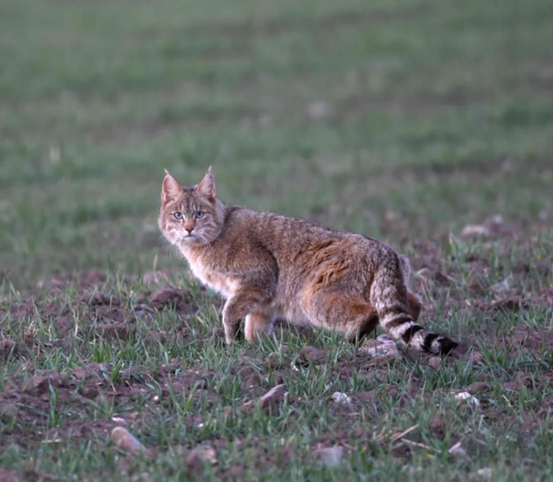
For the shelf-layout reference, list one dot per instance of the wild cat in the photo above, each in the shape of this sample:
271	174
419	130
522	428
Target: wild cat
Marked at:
269	266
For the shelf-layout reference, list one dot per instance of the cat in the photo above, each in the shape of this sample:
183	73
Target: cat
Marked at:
270	266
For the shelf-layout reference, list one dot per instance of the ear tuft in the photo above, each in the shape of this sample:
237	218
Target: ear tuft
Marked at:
206	187
170	188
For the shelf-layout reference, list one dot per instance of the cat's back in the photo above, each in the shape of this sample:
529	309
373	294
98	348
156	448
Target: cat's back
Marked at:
289	238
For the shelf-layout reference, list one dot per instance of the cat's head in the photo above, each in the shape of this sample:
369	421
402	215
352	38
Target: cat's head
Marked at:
190	215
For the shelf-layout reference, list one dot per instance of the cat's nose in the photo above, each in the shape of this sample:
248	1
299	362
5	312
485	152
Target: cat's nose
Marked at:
189	229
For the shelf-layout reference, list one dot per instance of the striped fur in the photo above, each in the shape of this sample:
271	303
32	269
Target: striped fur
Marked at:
390	297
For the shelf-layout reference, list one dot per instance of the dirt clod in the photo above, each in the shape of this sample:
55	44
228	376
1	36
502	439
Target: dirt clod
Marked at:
478	387
42	383
117	330
436	426
7	347
435	362
311	354
169	298
10	476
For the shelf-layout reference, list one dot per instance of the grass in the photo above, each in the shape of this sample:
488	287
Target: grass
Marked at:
404	120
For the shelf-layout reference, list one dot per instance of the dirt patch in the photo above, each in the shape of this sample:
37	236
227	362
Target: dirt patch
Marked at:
82	280
310	354
81	430
31	402
170	298
531	339
7	348
10	476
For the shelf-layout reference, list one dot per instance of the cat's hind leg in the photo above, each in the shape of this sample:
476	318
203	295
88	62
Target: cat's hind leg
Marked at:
415	305
256	325
333	310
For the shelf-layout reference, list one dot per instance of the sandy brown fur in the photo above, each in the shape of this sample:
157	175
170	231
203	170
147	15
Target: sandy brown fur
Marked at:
269	266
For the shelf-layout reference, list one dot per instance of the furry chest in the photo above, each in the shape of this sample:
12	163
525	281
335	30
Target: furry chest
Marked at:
219	282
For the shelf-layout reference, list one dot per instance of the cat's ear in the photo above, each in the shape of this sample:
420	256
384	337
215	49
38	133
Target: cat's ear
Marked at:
170	188
206	187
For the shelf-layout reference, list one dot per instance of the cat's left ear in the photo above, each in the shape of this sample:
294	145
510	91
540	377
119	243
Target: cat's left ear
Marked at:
206	187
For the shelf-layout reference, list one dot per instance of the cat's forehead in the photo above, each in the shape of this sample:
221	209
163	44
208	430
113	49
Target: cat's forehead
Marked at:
189	201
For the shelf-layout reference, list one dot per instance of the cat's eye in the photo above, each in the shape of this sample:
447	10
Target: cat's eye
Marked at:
178	215
199	214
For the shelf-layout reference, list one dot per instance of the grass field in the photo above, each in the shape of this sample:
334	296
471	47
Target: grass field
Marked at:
406	120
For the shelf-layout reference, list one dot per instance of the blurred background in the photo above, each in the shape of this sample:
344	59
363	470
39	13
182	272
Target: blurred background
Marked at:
400	119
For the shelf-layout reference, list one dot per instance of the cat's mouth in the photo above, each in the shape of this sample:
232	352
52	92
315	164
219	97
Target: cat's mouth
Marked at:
190	238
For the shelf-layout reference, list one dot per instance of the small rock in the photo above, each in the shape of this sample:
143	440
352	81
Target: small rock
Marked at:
271	400
318	110
383	350
458	451
475	230
501	288
124	440
341	398
495	220
485	473
460	397
330	456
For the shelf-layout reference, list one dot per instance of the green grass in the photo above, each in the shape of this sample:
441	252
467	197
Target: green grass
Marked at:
401	119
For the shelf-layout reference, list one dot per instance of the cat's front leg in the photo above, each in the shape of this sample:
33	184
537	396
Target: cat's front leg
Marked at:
238	307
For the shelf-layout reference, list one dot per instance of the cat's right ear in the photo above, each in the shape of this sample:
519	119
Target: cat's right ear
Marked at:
170	188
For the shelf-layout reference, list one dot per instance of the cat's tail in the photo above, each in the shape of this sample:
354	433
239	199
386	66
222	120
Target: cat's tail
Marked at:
388	295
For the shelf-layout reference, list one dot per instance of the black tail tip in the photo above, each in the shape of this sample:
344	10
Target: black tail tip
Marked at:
447	346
